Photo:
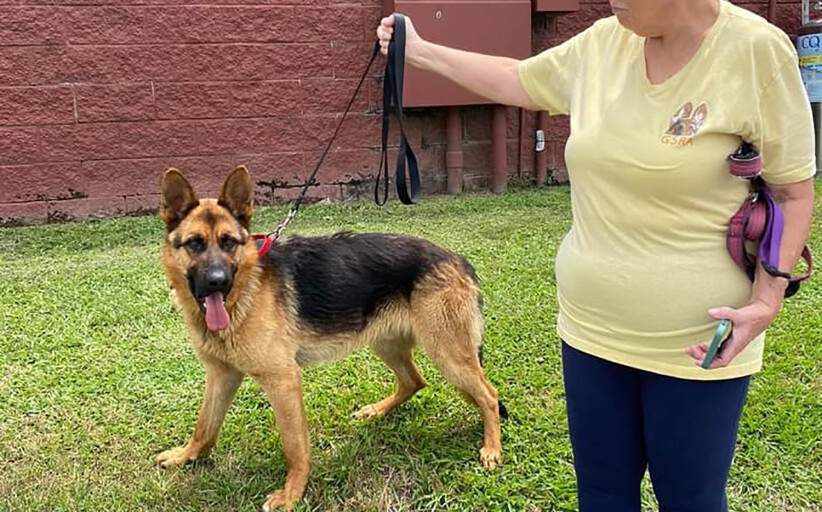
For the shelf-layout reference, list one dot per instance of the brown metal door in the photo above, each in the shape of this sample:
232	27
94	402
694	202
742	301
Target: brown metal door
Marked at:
491	27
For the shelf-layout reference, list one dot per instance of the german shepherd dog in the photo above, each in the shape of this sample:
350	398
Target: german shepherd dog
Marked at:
310	300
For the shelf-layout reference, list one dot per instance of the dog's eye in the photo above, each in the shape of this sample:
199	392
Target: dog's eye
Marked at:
228	244
196	244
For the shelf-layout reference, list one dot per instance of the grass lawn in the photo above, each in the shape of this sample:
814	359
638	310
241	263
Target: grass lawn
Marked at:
96	376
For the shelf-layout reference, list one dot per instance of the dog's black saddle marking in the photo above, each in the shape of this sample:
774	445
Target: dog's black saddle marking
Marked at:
341	280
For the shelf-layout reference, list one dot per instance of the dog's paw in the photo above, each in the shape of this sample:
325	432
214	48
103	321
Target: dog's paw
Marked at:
176	457
278	500
367	412
490	457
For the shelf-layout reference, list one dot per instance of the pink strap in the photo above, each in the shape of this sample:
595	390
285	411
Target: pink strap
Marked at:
746	162
748	224
747	168
739	233
806	255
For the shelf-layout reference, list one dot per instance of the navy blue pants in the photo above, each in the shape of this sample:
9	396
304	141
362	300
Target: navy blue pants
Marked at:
623	420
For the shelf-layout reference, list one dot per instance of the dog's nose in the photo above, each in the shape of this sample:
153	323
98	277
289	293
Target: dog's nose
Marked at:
216	279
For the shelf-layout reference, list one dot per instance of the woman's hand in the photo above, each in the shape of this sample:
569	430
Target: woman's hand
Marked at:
796	202
747	323
413	42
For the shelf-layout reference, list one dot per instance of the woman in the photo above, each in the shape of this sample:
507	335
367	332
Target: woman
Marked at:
658	96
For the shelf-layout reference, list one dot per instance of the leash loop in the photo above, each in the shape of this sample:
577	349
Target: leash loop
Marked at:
392	90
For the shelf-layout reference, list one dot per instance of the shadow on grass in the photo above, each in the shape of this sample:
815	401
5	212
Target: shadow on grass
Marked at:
380	464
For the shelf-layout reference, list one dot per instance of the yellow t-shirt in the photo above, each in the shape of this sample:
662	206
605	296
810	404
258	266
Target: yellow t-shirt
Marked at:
645	258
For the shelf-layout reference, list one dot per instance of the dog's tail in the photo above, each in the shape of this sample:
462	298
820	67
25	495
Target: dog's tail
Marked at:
503	411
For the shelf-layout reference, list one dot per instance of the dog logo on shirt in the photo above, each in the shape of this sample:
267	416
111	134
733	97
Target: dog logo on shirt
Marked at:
685	124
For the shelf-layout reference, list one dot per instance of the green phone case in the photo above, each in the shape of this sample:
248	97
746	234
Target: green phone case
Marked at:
719	336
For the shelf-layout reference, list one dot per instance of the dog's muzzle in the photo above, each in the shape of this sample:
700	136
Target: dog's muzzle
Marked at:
210	288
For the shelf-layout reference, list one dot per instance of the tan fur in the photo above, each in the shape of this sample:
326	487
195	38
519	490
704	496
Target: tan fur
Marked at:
267	341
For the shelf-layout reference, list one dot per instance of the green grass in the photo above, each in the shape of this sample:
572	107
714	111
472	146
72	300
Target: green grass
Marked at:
96	376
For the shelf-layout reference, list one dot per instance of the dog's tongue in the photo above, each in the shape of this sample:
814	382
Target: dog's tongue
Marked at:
216	314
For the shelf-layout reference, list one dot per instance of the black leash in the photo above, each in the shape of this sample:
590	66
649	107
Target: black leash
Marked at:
392	101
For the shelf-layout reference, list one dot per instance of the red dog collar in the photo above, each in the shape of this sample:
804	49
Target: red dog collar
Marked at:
266	245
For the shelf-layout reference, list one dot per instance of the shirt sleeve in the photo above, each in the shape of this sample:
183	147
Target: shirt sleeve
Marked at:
787	135
549	76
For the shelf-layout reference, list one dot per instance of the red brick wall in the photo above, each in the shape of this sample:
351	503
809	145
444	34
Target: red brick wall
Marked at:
97	99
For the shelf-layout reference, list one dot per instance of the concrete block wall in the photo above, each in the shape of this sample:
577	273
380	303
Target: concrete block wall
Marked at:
98	97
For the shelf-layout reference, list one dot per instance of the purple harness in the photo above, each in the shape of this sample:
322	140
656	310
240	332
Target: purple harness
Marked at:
759	220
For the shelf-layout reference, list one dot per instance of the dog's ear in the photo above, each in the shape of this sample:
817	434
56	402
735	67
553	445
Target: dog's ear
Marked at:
700	114
178	198
237	195
684	112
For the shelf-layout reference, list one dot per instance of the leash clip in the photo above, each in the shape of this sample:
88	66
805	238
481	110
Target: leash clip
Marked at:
753	197
272	236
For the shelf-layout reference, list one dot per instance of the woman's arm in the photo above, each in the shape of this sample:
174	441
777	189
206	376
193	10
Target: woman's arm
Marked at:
796	202
493	78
